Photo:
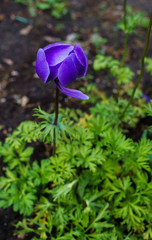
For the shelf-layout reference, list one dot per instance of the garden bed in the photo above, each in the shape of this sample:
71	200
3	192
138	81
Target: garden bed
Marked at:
20	88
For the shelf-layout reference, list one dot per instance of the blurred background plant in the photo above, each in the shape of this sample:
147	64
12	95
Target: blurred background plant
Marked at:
117	69
58	7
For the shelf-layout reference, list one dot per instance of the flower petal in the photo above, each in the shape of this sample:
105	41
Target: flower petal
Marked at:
82	71
71	92
57	52
42	67
68	70
82	58
54	71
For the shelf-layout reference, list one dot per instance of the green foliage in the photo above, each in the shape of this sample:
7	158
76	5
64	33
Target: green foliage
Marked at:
97	40
58	7
148	62
97	186
93	92
27	131
148	109
47	126
148	131
133	20
123	75
16	190
141	17
112	110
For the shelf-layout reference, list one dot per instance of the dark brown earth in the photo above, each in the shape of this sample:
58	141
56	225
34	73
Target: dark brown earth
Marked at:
20	88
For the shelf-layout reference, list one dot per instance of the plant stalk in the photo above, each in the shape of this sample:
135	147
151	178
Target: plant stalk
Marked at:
124	57
126	41
55	120
126	34
125	50
142	66
125	12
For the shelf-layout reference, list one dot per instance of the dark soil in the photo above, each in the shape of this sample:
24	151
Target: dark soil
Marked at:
20	88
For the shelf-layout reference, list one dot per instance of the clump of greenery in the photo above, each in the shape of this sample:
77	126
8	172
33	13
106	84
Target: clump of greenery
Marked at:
123	75
58	7
117	69
97	40
133	20
97	185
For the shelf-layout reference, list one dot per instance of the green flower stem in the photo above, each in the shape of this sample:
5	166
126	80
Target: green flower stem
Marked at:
123	57
125	12
126	34
126	40
56	120
125	50
142	66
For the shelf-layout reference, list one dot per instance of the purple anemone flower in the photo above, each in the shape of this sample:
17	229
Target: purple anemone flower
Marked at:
62	63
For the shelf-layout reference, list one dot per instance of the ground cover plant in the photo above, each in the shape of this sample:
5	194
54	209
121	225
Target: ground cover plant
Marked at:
92	182
58	7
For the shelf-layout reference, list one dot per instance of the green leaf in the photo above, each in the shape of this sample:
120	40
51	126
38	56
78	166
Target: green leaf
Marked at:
26	154
43	6
64	190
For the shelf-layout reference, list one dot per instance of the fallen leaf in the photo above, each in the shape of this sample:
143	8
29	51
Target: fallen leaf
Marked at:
25	31
8	61
2	100
71	37
51	39
49	26
20	236
14	73
35	75
1	127
2	17
24	101
5	131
